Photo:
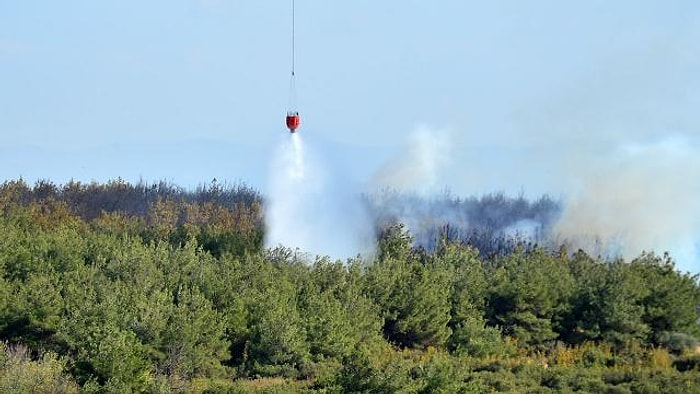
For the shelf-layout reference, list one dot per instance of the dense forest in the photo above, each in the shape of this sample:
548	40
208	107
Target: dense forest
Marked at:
118	287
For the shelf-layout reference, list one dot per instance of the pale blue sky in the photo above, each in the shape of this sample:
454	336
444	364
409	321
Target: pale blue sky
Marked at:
526	93
83	76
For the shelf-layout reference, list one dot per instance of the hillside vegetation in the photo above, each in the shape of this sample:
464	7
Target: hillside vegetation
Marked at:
148	288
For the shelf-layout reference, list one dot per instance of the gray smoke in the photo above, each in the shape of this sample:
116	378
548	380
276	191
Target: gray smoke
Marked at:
641	196
413	189
617	141
637	197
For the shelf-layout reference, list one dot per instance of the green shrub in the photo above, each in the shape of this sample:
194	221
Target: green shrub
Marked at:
20	374
677	342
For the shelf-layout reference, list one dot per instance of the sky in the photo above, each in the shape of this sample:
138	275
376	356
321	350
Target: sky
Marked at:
580	100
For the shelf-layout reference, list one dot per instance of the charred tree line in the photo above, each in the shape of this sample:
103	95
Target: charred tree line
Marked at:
494	224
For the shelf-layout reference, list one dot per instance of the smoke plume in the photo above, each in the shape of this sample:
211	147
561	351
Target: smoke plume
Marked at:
638	197
413	189
417	169
643	196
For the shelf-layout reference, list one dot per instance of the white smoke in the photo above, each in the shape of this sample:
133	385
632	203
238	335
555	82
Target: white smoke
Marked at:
524	229
312	210
418	168
642	197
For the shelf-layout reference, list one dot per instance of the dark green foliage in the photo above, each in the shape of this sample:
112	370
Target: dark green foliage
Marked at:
671	304
193	339
413	294
277	333
474	337
122	288
528	292
337	315
621	316
619	302
35	309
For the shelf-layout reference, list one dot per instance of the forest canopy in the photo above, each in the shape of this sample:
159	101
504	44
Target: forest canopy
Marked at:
118	287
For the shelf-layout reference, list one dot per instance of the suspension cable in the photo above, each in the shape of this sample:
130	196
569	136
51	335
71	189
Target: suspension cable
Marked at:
293	43
292	79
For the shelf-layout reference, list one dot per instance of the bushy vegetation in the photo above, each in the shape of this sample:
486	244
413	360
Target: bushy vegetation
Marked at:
122	288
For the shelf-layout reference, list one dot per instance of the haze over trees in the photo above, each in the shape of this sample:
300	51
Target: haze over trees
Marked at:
150	288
